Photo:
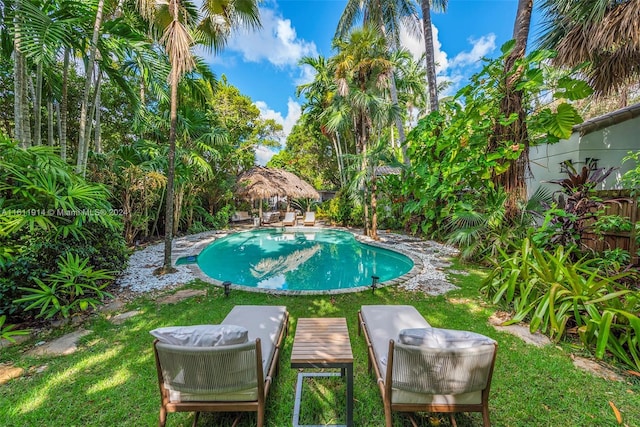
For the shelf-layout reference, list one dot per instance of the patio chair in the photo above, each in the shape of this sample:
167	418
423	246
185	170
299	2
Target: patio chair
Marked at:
309	218
289	219
423	369
208	368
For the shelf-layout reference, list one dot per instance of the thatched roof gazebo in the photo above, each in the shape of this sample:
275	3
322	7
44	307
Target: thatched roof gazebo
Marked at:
262	183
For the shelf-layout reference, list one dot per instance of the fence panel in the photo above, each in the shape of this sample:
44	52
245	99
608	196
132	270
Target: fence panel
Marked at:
620	203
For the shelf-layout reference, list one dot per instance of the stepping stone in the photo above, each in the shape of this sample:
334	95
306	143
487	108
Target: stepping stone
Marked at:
19	339
114	305
9	372
180	295
595	368
120	318
64	345
521	330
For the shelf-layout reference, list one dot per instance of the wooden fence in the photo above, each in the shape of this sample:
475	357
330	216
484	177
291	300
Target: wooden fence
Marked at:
620	203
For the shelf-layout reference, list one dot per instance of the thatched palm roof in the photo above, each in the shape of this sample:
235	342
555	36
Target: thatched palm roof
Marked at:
262	183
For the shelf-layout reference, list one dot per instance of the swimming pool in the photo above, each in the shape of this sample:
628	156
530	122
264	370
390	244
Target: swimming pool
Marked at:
299	260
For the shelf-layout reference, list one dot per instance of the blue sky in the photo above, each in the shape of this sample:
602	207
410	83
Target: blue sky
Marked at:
263	64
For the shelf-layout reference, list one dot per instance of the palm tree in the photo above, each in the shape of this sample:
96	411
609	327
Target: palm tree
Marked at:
426	5
319	95
389	16
603	33
177	38
363	72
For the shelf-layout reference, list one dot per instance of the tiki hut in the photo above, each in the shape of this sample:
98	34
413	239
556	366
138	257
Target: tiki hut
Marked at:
261	183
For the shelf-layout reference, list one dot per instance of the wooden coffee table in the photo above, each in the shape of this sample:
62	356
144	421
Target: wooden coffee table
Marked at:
322	343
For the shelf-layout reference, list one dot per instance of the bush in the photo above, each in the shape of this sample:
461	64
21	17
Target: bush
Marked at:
555	294
48	211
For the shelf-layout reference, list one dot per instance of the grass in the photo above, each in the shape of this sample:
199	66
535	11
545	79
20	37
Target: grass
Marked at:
111	379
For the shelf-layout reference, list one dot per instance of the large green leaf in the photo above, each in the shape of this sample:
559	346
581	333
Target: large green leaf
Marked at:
560	123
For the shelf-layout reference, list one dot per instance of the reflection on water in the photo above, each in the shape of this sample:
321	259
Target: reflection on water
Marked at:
321	260
282	264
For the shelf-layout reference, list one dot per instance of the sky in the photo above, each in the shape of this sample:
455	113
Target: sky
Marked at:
263	64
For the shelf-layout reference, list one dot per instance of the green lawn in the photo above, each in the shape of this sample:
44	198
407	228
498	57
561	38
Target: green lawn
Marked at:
111	379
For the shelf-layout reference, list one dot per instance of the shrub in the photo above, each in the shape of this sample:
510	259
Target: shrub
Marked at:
555	293
75	287
47	210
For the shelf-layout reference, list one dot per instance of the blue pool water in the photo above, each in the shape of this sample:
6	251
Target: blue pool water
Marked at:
299	260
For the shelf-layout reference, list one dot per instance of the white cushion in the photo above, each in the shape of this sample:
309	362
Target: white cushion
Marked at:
202	335
442	338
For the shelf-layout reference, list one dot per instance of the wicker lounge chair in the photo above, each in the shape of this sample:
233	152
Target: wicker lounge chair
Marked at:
309	218
289	219
453	376
227	378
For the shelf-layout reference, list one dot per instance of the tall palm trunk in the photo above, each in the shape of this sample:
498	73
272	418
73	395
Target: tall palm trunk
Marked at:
37	107
97	139
168	233
63	107
430	60
50	115
513	180
81	164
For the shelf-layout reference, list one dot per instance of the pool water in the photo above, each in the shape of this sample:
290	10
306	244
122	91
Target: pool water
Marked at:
317	260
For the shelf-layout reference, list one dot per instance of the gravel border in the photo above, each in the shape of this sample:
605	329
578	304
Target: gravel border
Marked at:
428	274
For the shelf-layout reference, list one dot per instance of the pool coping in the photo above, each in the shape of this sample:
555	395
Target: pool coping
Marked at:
197	247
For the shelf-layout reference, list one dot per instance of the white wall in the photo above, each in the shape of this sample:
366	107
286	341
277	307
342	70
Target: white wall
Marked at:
609	145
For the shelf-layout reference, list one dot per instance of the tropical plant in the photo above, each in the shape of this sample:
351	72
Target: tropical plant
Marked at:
387	17
479	229
47	210
556	294
74	288
177	38
7	331
453	149
575	210
601	34
631	178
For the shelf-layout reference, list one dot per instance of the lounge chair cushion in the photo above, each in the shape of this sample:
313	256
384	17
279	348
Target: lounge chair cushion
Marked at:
442	338
202	335
264	322
384	322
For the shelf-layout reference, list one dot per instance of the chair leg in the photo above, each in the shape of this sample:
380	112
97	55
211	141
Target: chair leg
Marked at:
485	417
453	420
195	419
163	417
260	417
388	418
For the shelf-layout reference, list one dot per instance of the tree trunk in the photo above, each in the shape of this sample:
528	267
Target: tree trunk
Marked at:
374	207
430	60
17	77
63	107
81	164
97	140
50	114
37	107
513	180
168	232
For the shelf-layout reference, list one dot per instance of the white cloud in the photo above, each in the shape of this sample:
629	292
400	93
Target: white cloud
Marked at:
264	154
276	42
481	47
415	45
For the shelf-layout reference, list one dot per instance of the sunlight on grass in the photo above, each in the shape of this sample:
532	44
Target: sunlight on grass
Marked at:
41	395
118	378
324	308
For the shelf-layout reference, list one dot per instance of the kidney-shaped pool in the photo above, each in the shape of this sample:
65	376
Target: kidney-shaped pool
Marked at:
299	260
